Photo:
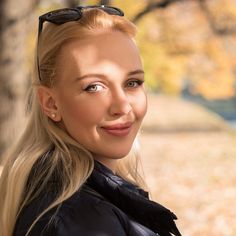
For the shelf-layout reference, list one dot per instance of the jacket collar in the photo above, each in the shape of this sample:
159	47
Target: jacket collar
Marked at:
108	174
132	200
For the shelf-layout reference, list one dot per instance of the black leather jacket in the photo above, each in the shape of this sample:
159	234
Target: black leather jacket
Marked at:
106	205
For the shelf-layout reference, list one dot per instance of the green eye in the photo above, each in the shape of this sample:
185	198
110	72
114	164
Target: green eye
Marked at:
135	83
94	88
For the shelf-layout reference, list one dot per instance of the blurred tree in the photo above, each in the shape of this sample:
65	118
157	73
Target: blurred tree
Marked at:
219	22
151	6
14	74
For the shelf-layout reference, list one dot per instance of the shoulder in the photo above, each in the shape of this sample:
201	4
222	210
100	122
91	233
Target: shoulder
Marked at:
89	214
84	214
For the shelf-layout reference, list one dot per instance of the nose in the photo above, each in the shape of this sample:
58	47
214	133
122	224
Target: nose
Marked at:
120	104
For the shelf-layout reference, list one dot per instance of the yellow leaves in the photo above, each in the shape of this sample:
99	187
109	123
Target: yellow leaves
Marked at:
178	45
212	73
169	73
224	12
130	7
163	66
221	87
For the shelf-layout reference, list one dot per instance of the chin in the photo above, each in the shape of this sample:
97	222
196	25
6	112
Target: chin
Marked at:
115	154
120	155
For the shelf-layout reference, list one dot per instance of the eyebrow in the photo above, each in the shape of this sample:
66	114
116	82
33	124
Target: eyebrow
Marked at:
135	72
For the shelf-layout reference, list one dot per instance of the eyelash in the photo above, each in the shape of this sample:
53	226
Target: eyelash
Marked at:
138	81
90	86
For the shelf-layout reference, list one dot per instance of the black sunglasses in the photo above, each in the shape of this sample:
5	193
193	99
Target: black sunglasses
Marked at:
65	15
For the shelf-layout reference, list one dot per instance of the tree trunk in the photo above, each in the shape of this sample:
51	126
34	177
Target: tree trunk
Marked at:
14	72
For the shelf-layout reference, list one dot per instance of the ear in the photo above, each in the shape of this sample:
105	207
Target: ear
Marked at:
47	100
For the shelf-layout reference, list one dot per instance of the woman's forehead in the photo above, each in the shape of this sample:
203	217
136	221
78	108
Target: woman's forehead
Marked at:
107	45
101	53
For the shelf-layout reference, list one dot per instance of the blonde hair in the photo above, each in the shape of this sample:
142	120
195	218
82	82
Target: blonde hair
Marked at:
44	145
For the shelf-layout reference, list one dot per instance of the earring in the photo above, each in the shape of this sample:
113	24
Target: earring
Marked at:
53	115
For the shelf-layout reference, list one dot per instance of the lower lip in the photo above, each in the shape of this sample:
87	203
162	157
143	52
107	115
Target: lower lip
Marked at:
118	132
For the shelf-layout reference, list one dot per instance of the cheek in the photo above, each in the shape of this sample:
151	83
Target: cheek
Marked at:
140	105
82	112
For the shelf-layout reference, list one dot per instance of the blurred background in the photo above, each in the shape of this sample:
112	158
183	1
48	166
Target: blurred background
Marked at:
188	139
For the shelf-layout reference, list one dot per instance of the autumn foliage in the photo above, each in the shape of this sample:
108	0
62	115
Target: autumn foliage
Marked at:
189	45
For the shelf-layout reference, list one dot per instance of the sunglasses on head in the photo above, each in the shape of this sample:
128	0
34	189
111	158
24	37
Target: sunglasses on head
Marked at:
64	15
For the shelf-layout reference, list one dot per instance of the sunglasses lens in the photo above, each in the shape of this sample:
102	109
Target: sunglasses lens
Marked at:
112	11
72	14
62	16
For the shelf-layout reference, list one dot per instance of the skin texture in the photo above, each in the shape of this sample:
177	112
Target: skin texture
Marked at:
98	83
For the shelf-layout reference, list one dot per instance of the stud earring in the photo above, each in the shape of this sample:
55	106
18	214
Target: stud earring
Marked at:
53	115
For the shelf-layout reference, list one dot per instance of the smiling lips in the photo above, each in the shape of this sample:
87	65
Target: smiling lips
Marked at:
118	129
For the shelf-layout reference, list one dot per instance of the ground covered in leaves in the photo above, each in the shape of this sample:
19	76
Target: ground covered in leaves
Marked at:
192	172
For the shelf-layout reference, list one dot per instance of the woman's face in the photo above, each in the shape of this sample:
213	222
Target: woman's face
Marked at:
100	96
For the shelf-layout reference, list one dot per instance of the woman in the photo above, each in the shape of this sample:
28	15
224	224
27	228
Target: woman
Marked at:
67	175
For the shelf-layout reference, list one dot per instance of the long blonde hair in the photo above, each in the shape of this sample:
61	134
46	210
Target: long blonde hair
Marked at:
68	159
